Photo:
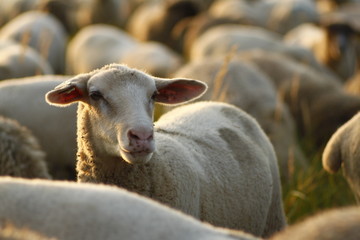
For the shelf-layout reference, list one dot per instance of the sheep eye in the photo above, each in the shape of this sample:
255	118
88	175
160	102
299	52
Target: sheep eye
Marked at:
153	96
95	95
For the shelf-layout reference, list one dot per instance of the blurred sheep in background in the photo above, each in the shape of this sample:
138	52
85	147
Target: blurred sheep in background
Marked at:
20	152
18	61
41	31
98	45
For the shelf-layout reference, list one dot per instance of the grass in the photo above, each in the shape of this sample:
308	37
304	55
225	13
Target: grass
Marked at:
313	190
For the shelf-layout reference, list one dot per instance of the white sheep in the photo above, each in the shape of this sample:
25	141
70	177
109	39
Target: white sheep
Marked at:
309	94
41	31
158	20
242	84
10	9
114	12
237	9
288	69
334	45
77	14
333	224
95	46
274	15
343	150
154	58
282	16
18	61
222	40
98	45
211	160
72	211
20	152
23	99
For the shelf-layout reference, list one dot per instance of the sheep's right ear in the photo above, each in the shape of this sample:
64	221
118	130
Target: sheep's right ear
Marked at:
68	92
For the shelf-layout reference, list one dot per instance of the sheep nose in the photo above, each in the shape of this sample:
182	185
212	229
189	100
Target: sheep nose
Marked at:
140	135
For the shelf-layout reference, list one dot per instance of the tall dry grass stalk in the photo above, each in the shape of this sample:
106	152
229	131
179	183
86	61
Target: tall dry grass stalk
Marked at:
24	41
311	190
46	38
219	84
44	44
278	113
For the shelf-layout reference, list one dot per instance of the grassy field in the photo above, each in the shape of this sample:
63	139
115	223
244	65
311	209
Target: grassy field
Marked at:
312	190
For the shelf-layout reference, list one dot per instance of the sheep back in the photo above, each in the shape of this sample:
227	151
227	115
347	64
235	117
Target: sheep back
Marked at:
20	152
242	84
334	224
72	211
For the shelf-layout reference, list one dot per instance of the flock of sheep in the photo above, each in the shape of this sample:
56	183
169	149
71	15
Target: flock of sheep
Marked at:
94	144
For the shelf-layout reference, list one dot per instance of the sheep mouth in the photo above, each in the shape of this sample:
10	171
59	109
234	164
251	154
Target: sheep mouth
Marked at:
136	157
140	152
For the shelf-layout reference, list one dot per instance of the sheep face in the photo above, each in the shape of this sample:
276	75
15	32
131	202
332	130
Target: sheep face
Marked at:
116	108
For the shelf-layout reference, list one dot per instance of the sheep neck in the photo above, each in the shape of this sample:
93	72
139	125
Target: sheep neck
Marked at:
92	167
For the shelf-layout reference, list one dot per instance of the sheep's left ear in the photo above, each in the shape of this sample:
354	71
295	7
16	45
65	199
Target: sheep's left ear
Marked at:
178	90
68	92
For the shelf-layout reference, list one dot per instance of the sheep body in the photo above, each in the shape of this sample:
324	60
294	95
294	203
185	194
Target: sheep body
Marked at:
221	40
77	14
236	9
332	224
42	32
18	61
154	58
333	45
281	17
226	39
288	69
66	210
343	150
202	149
23	99
158	21
243	85
10	9
309	95
112	12
95	46
20	152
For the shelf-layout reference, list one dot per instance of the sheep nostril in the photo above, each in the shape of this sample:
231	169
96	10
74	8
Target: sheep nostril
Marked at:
140	135
132	135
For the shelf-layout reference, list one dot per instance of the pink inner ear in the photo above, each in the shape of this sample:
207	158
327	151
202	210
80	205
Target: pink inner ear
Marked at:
71	96
68	96
179	92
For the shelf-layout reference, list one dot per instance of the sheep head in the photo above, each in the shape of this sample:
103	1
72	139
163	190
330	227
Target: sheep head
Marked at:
117	103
